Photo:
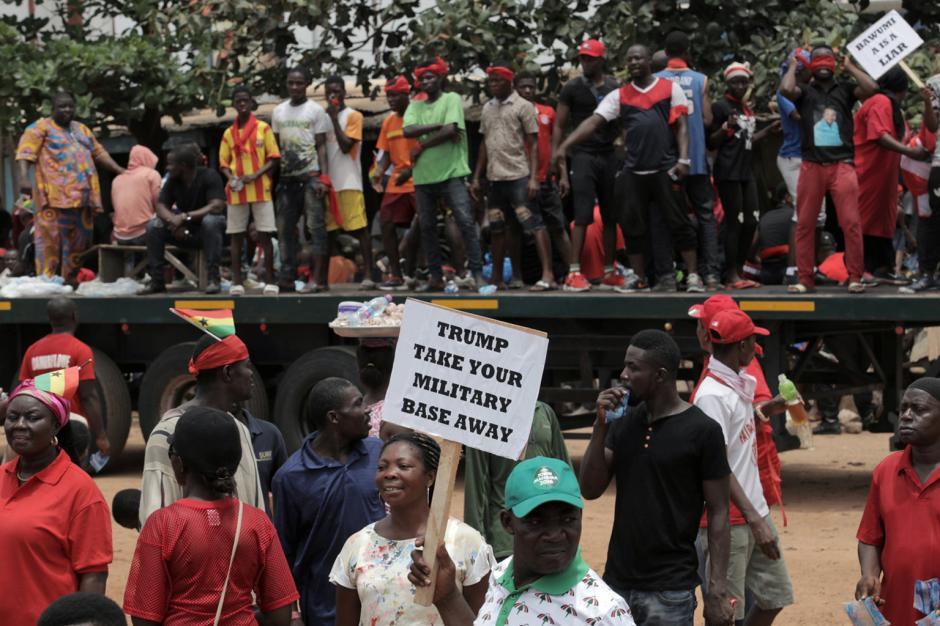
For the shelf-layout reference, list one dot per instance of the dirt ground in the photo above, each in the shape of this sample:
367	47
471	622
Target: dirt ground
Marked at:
824	492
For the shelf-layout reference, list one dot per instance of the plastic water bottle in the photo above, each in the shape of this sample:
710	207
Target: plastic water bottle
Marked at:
98	461
361	316
451	287
378	304
794	405
618	411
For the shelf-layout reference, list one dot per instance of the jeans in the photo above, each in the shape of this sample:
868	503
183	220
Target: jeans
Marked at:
660	608
509	199
455	195
207	235
296	198
698	189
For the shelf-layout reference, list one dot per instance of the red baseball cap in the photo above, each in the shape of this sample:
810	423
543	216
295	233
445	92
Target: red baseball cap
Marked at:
706	311
733	325
592	48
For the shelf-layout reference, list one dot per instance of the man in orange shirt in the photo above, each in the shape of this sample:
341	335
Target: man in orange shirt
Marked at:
247	157
398	201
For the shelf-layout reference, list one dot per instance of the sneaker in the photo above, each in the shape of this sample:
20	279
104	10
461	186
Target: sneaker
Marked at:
466	280
410	281
666	284
924	283
367	284
856	286
576	282
869	280
712	282
271	290
694	284
434	283
828	428
611	281
799	288
213	288
394	283
152	288
236	290
634	285
890	278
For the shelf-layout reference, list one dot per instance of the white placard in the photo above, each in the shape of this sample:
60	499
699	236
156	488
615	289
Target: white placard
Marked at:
466	378
885	44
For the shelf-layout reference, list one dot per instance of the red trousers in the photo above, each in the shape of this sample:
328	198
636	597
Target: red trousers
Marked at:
840	181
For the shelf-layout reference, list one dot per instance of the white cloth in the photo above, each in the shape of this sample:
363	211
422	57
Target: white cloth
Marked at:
345	167
732	406
590	601
159	487
377	568
297	128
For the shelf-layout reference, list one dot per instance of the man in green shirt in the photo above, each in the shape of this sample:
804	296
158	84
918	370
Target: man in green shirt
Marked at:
485	478
440	169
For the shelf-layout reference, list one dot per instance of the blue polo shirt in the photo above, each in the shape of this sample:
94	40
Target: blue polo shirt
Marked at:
318	504
270	452
792	145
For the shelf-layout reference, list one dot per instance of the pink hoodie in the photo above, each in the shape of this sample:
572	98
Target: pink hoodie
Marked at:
134	195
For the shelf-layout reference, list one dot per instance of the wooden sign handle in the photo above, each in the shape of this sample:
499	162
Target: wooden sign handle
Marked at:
911	74
440	511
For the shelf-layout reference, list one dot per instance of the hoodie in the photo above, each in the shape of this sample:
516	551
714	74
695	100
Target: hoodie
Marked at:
134	195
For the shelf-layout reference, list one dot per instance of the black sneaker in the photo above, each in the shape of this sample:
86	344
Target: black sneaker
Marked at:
828	428
890	278
924	283
665	284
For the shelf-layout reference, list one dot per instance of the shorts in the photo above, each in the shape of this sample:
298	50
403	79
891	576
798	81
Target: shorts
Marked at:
352	207
592	181
262	212
549	206
397	209
509	199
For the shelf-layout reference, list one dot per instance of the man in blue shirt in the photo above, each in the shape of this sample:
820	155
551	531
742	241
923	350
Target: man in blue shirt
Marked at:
326	492
698	185
270	451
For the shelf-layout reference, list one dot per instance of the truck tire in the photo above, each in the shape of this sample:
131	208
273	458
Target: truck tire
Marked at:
299	379
115	401
167	383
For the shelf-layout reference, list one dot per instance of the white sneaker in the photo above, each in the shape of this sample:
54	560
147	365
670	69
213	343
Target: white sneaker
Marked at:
236	290
271	290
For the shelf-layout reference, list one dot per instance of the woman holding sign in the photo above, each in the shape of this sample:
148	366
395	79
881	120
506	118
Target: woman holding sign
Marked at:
371	572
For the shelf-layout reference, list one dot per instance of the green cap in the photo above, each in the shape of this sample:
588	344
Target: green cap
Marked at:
536	481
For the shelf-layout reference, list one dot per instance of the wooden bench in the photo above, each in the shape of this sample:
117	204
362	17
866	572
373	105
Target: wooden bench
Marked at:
113	263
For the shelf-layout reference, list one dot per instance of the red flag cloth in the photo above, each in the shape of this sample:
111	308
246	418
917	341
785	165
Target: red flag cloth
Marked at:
503	72
439	67
244	138
226	352
332	199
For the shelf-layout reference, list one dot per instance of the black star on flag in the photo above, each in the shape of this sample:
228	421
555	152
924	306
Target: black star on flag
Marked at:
204	322
56	374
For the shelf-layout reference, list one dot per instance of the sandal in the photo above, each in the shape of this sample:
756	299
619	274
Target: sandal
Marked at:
515	284
799	288
856	287
744	283
543	285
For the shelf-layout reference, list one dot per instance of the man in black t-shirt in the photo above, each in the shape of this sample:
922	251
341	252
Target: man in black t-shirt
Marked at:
825	106
669	459
190	213
591	163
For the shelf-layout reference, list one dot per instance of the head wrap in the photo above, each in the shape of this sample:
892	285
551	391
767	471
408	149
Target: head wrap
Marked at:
399	84
823	62
229	351
930	385
738	69
501	71
58	405
438	67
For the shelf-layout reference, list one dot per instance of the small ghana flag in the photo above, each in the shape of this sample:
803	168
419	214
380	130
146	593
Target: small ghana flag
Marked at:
63	383
220	323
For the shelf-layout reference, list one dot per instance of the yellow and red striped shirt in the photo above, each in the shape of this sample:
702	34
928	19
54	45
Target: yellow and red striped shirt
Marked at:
264	149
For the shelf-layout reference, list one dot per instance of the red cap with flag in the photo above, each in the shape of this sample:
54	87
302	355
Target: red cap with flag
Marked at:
706	311
733	325
592	48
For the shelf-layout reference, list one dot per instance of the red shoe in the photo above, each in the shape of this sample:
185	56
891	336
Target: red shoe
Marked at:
575	281
612	280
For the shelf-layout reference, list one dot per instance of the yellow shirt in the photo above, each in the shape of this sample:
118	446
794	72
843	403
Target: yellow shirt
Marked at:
256	154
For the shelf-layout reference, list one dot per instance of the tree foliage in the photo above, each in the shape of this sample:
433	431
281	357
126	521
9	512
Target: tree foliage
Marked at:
179	55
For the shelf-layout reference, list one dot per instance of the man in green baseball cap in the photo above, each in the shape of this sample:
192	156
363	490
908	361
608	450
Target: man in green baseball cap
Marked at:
543	516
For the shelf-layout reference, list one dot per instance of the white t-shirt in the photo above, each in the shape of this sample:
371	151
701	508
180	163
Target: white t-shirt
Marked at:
377	568
735	414
297	128
345	168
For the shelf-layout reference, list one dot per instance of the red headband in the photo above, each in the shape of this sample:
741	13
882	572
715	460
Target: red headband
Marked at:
439	67
399	84
502	72
226	352
824	62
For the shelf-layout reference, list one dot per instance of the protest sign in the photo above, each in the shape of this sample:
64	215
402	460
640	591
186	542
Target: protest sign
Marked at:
469	380
466	378
884	44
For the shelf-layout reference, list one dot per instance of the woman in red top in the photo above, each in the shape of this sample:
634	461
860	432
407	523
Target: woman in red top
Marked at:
184	570
880	132
55	527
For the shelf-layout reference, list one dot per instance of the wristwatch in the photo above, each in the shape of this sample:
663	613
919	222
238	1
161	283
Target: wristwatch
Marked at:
189	217
685	162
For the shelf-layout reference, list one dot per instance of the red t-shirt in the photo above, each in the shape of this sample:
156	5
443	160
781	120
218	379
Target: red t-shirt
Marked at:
52	528
877	168
592	254
546	120
902	517
57	351
183	554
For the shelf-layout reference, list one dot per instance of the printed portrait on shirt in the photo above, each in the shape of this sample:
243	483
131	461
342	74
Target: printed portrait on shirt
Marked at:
745	129
826	129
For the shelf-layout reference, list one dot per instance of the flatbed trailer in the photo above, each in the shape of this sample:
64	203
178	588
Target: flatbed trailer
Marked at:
142	349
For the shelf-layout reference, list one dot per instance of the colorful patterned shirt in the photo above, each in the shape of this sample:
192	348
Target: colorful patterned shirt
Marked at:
66	177
574	596
259	149
377	568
